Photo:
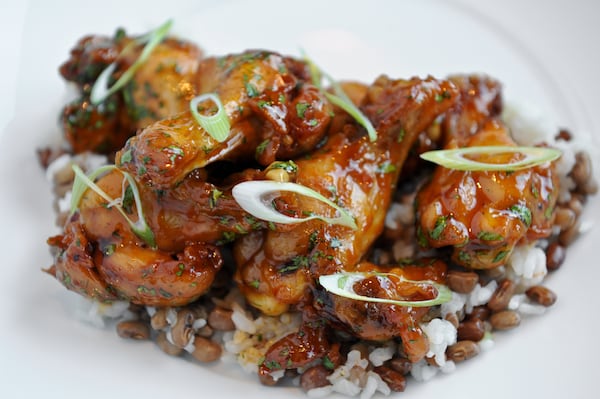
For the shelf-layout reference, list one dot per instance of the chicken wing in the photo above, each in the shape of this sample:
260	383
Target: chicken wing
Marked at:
274	112
484	214
100	257
161	87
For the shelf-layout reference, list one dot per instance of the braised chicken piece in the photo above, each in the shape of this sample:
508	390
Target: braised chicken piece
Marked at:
161	87
380	321
484	214
277	268
102	258
199	211
376	320
274	112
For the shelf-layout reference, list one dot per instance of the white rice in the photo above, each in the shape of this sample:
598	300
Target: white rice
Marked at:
57	165
88	161
480	295
516	301
351	379
242	320
527	266
441	334
381	354
423	372
100	314
530	126
171	316
252	337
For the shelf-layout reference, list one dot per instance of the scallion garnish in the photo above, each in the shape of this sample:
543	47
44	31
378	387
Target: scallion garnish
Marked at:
256	197
82	182
342	284
455	158
339	98
217	124
100	90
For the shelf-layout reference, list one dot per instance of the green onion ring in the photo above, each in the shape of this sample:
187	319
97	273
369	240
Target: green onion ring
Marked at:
339	97
342	284
216	125
82	182
255	198
100	90
455	158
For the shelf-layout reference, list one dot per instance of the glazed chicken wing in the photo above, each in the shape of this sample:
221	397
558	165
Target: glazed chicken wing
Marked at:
161	87
102	258
484	214
274	112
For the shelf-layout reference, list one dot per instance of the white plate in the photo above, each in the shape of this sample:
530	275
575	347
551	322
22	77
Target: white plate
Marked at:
543	53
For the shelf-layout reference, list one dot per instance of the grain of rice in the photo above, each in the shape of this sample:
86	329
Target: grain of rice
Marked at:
346	387
527	266
352	378
516	301
527	308
382	354
448	367
198	324
64	203
480	295
61	162
241	320
190	347
421	371
455	305
440	333
374	384
277	374
99	313
171	316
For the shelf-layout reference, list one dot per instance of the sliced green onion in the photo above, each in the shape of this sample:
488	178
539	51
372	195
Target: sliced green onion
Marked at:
80	185
82	182
342	284
100	90
354	112
217	125
255	197
339	97
455	159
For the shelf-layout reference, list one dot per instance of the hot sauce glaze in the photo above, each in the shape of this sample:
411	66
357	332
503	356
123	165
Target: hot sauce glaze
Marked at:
483	215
